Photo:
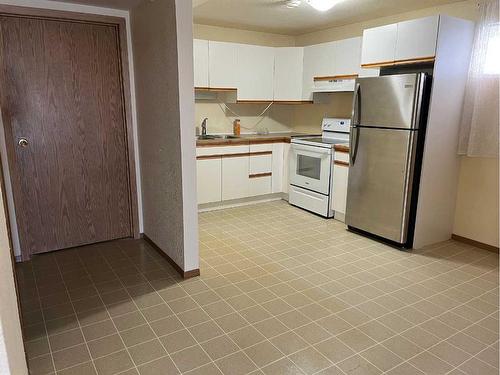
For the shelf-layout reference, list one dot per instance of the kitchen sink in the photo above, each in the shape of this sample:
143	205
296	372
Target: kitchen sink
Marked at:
227	136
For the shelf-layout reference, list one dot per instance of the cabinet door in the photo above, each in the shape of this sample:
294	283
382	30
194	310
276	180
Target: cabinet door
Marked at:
288	69
255	73
319	61
200	53
235	178
379	44
286	167
340	178
222	61
209	180
347	56
417	38
260	186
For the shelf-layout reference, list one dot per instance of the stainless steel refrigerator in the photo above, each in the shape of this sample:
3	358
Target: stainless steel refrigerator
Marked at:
386	146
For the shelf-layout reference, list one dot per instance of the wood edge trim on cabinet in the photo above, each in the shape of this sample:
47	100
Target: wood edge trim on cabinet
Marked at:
259	175
244	142
341	149
216	89
341	163
293	102
254	101
237	155
475	243
260	153
399	62
331	78
184	274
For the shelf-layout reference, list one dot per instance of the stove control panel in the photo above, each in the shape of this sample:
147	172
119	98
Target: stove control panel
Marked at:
340	125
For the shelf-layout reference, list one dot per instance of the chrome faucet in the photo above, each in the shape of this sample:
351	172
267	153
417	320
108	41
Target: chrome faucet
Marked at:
204	127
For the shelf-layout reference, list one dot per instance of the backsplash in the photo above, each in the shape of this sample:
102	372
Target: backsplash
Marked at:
304	118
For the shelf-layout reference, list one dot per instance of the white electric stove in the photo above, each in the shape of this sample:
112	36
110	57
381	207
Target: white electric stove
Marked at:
311	167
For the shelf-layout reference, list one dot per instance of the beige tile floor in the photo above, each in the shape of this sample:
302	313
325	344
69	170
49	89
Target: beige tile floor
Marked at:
281	292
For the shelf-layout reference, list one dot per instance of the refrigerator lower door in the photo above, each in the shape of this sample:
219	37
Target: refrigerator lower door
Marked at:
380	181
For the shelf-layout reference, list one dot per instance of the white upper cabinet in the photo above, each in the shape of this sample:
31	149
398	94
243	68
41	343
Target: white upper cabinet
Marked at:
319	61
222	61
404	41
347	56
379	44
200	54
288	68
255	72
417	38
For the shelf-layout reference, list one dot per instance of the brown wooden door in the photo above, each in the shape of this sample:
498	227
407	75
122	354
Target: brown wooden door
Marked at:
61	90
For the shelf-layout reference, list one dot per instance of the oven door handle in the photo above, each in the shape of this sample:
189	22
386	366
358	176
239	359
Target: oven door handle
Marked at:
311	149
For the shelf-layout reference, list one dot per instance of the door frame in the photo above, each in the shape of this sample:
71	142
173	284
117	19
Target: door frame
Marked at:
119	23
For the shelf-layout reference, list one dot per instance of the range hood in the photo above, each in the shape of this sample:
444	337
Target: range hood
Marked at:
334	84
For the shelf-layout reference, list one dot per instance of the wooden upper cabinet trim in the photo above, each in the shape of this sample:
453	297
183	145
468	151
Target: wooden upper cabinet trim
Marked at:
400	62
218	89
331	78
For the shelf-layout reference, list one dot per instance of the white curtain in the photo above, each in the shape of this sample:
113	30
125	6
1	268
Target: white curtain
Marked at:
479	134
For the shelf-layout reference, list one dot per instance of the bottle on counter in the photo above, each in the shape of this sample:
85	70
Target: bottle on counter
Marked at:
237	127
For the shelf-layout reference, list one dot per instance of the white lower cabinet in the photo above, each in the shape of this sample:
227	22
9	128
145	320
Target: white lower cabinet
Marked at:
261	164
260	186
235	177
256	170
209	175
340	179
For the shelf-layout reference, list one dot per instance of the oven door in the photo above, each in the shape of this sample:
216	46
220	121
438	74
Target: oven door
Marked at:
310	167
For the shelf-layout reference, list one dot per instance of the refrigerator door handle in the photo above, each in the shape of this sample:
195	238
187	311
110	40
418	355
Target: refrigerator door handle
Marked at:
356	113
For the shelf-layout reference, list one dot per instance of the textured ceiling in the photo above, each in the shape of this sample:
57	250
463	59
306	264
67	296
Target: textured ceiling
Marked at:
273	16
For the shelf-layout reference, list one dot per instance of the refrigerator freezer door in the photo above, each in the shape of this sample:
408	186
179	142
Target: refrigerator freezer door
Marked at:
388	101
379	193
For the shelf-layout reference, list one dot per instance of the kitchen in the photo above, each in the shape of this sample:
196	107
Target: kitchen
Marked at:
229	76
288	182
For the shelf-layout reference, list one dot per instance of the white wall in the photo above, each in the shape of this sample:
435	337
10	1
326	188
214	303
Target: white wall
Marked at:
92	10
12	358
164	85
184	14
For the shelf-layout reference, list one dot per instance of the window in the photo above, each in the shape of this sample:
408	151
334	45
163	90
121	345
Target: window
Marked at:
492	62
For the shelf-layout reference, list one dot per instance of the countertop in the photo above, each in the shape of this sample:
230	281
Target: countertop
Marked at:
246	139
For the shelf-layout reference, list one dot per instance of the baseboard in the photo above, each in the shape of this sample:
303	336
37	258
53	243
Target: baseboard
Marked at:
184	274
475	243
242	202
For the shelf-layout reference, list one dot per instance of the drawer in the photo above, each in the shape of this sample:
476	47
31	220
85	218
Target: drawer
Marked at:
261	147
260	185
261	164
341	156
223	150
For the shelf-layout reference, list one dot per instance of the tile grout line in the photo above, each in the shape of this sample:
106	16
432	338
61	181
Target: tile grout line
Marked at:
76	316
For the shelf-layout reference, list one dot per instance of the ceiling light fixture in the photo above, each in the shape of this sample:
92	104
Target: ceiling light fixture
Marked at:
323	5
293	3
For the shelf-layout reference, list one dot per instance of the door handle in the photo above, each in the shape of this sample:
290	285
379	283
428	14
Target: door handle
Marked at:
23	142
356	113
